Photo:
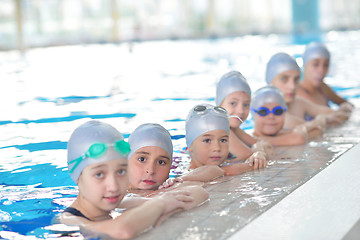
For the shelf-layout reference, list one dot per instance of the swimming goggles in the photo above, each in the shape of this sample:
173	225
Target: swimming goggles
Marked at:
201	109
96	150
263	111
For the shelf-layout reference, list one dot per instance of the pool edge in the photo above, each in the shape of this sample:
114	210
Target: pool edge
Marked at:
325	207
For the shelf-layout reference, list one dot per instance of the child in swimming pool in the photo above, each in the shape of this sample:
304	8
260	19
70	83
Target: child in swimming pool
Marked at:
150	160
207	138
268	106
283	72
97	162
234	94
316	60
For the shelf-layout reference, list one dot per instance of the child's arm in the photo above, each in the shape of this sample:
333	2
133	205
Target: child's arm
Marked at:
254	144
201	174
199	195
330	94
286	139
132	201
256	161
334	116
246	138
136	220
292	121
313	109
204	173
238	148
263	146
237	168
310	130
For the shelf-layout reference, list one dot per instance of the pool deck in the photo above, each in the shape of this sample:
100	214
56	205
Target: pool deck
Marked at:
325	207
307	192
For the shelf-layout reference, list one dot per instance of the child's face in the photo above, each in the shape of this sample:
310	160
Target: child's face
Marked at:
103	185
287	82
210	148
149	167
270	124
316	70
237	103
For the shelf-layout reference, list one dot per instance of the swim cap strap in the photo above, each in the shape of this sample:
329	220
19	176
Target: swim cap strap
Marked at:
77	162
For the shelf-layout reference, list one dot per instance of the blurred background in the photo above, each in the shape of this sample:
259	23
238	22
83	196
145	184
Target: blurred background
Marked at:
36	23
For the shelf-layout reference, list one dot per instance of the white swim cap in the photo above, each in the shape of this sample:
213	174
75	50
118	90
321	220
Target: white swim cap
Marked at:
231	82
278	63
150	134
205	118
94	142
315	50
267	94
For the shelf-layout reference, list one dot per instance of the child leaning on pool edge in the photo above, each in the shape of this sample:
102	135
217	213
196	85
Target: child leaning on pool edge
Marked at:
97	162
234	94
207	138
268	107
150	161
316	60
283	72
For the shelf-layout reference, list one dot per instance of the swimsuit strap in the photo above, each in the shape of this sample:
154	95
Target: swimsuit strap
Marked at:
75	212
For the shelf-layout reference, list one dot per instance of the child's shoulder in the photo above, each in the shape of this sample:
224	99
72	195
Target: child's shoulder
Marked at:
72	216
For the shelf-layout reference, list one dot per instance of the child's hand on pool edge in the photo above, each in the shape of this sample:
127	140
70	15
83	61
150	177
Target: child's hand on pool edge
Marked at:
263	145
346	107
170	182
257	160
172	202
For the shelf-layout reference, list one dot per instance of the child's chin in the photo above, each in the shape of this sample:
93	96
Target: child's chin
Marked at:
271	133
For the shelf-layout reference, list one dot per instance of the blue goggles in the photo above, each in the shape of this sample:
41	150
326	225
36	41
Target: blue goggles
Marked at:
96	150
263	111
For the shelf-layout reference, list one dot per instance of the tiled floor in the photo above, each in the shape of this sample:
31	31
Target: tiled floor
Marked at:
237	201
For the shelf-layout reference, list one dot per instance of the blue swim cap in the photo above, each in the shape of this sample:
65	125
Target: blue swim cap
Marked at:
150	134
267	94
278	63
205	118
85	136
315	50
231	82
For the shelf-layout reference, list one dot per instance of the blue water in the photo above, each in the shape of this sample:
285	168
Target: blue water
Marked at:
46	93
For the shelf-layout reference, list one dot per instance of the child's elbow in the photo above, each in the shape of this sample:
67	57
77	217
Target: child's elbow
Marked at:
299	140
216	171
125	232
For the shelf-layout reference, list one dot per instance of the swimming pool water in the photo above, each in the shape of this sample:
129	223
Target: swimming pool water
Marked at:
47	92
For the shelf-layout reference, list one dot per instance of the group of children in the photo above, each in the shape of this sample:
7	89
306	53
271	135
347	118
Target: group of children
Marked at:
112	173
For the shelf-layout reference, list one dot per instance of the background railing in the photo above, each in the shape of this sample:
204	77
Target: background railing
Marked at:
33	23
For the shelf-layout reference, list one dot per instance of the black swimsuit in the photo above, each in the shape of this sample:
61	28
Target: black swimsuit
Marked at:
75	212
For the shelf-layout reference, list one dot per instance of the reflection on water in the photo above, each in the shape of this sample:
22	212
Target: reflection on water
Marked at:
47	93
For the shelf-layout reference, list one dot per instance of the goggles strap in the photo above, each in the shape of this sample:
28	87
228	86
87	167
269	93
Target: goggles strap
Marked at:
77	162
